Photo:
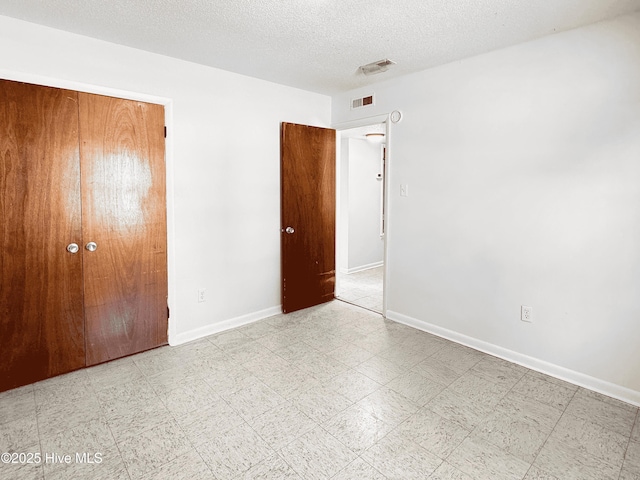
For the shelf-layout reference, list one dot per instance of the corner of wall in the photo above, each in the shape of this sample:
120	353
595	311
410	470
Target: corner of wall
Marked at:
200	332
597	385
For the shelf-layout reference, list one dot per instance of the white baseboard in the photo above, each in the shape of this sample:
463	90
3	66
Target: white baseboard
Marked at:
601	386
362	268
218	327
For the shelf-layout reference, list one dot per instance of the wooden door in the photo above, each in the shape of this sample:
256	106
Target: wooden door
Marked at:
124	214
41	317
308	202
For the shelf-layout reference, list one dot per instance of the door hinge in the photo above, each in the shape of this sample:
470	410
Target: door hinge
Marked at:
167	311
165	132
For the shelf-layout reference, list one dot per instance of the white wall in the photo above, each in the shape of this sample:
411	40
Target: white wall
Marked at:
524	174
342	204
223	164
366	247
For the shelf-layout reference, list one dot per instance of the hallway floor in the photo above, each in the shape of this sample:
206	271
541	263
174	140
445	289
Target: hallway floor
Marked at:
330	392
362	288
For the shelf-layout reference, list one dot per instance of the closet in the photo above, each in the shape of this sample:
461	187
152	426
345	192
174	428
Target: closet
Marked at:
83	259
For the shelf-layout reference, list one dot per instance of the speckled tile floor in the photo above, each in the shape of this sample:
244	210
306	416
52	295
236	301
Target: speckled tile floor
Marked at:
362	288
331	392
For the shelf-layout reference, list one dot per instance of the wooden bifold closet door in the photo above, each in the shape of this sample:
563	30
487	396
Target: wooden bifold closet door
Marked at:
82	169
124	214
41	312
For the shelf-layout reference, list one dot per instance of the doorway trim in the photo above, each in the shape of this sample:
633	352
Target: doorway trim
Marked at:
169	160
363	122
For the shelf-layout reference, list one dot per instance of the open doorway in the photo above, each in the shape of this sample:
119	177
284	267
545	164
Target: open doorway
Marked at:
361	216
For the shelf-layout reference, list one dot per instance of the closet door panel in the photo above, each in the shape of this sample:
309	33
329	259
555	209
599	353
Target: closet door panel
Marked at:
41	314
124	214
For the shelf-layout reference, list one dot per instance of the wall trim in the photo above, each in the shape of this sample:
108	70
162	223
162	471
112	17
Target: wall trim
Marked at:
361	122
196	333
597	385
362	268
79	86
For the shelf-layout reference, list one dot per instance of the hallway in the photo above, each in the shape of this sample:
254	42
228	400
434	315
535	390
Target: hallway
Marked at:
362	288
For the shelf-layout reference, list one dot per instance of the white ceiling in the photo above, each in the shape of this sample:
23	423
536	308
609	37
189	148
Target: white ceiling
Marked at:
316	45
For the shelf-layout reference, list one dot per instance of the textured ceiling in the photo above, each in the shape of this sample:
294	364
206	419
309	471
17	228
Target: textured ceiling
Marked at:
316	45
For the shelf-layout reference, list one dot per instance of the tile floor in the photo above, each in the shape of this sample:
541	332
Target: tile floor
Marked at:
331	392
362	288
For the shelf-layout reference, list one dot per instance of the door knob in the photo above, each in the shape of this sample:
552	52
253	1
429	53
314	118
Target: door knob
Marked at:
73	248
289	230
91	246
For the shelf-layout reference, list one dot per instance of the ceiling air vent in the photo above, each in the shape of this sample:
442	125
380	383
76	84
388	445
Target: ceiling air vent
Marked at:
374	68
362	102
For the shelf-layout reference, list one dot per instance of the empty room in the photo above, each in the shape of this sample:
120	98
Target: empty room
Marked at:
178	295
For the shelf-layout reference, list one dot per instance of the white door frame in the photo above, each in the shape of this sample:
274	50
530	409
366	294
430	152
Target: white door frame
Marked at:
362	122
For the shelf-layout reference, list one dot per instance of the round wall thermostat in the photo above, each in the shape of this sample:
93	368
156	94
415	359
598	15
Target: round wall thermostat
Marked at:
396	116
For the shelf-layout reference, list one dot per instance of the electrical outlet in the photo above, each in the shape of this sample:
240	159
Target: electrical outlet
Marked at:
404	190
201	292
526	313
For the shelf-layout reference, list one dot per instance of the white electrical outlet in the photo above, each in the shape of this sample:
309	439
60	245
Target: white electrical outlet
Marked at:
201	292
526	313
404	190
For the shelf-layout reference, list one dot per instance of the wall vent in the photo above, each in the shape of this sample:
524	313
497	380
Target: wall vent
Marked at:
362	102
